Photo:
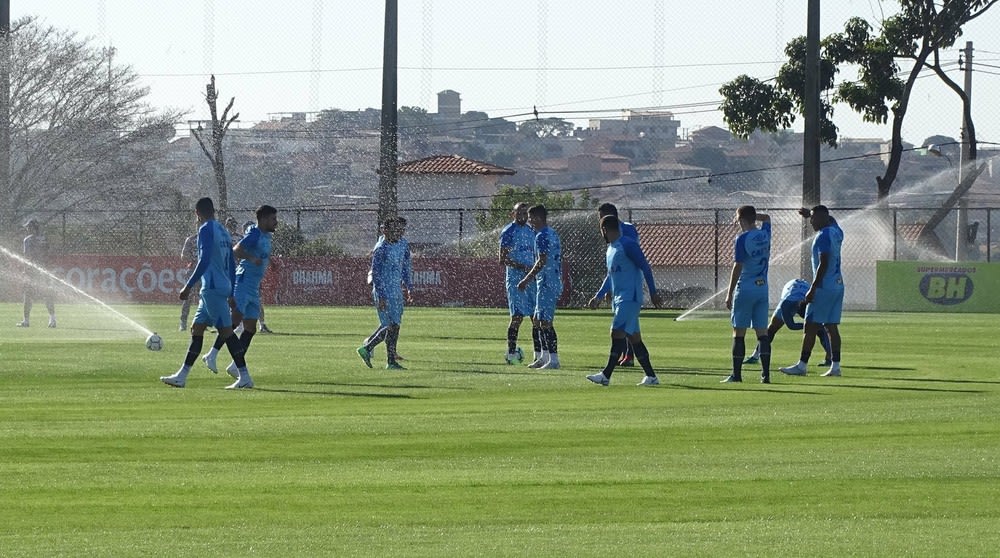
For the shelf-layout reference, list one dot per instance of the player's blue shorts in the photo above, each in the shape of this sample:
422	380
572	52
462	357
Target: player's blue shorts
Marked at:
793	306
521	303
545	302
826	305
750	308
213	309
247	303
626	317
393	313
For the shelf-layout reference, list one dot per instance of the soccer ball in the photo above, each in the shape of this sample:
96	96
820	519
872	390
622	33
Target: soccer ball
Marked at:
154	342
516	357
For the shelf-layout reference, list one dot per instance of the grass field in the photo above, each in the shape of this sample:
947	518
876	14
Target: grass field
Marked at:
463	456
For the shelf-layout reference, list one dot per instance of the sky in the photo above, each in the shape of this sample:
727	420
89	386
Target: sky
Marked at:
572	59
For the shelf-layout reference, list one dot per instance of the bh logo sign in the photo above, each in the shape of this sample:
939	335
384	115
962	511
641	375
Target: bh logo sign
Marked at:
946	288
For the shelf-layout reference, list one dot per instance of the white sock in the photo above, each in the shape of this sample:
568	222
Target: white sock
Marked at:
554	358
538	354
212	352
545	356
802	364
182	374
835	366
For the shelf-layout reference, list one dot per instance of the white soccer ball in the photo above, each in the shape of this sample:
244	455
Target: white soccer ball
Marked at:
516	357
154	342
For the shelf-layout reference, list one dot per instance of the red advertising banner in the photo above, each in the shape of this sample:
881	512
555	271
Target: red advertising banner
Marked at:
330	281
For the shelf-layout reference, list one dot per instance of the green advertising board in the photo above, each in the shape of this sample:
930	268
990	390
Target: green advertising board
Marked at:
937	286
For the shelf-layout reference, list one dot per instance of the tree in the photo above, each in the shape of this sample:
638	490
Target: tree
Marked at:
219	128
81	132
546	128
916	33
501	204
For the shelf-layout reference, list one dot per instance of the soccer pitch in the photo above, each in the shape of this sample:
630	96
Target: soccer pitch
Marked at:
462	455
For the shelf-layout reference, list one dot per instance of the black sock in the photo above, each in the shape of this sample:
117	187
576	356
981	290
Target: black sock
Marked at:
553	341
617	348
764	343
629	349
642	355
375	338
511	339
739	351
194	349
536	338
236	351
219	342
391	337
245	338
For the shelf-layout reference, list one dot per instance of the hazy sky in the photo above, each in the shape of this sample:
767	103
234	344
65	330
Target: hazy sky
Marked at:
575	59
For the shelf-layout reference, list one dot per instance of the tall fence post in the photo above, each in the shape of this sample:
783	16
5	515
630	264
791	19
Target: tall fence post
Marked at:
716	243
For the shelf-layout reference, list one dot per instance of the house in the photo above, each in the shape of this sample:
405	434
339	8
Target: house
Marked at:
428	188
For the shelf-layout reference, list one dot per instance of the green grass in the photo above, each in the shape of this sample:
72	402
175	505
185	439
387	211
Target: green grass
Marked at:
464	456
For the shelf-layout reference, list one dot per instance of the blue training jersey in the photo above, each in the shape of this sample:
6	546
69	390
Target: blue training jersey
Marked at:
795	290
391	268
216	266
258	244
753	250
828	241
627	267
520	239
547	242
626	230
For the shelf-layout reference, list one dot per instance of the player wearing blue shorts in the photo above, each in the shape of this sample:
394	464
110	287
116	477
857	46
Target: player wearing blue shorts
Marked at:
546	273
627	267
392	282
825	298
793	302
216	269
36	249
629	230
747	294
517	254
253	252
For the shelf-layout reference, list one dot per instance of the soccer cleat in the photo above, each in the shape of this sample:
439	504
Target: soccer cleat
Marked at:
538	363
264	329
648	381
22	323
831	373
732	379
626	361
173	380
765	378
599	379
182	327
366	356
245	383
794	370
233	371
394	366
826	362
752	360
550	365
52	322
209	360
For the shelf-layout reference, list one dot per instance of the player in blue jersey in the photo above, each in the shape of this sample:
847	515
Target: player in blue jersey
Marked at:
793	302
263	324
627	267
747	294
217	271
37	285
253	252
392	283
517	254
546	273
628	230
825	298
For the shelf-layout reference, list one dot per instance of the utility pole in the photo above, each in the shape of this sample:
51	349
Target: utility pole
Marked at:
389	144
962	221
810	139
6	189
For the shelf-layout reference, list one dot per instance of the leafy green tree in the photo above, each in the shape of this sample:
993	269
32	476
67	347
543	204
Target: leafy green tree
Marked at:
498	213
546	128
916	33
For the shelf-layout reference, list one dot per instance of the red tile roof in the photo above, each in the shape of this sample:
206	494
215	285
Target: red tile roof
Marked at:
685	244
450	164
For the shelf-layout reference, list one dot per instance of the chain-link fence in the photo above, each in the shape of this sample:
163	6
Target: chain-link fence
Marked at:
690	250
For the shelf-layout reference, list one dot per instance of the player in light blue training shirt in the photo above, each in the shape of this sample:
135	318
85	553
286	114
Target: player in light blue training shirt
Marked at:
517	254
626	229
792	303
546	272
825	298
627	268
747	294
392	283
253	251
216	269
